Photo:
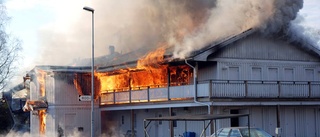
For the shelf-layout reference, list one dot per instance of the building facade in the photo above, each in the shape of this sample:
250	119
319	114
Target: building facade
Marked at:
276	82
65	114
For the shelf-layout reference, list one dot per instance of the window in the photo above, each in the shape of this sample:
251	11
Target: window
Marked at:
288	74
273	74
160	122
80	129
234	73
309	73
256	73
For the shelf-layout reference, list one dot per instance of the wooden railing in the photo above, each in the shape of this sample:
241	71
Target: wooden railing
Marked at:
216	89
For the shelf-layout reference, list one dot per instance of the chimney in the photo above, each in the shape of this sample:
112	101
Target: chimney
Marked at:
111	49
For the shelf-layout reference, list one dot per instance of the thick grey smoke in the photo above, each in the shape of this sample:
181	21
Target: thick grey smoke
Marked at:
284	12
186	24
128	25
298	32
231	17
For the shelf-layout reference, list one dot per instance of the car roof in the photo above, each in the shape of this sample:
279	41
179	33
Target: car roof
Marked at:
240	127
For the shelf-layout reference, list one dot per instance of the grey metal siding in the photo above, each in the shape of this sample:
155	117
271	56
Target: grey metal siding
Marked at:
287	117
317	121
81	118
207	71
282	71
34	91
64	91
310	122
34	125
63	100
181	91
255	47
299	121
295	121
156	128
49	89
56	117
256	117
269	119
115	123
51	125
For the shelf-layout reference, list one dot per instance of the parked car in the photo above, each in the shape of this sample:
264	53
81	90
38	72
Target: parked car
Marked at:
240	132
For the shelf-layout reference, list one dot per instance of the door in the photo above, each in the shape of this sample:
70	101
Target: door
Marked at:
289	127
239	121
234	122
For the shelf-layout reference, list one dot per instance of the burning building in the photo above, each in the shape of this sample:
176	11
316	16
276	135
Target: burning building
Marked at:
199	69
244	73
54	103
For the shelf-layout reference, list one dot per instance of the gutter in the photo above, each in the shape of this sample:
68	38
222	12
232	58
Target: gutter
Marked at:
195	86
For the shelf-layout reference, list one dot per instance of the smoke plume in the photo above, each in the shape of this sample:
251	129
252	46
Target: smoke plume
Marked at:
232	17
298	32
187	25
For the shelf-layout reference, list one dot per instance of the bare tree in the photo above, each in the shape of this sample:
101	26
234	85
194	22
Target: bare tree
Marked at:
10	48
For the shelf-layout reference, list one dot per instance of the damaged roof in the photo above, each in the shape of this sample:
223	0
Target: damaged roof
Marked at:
130	59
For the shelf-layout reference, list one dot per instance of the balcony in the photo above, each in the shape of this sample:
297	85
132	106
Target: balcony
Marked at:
216	89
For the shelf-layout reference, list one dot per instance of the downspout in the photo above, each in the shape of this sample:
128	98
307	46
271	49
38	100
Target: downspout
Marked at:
195	86
195	89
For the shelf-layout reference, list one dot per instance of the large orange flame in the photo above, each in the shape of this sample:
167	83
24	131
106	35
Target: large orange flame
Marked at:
82	82
42	113
42	121
152	60
41	79
150	72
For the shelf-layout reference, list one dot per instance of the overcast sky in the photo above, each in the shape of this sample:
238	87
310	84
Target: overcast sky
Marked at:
29	17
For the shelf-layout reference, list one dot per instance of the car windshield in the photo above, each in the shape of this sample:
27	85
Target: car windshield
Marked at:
254	132
241	132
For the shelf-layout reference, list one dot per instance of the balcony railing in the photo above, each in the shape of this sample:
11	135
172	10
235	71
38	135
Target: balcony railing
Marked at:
217	89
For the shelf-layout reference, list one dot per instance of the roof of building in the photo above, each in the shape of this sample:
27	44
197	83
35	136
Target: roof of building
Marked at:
129	60
63	68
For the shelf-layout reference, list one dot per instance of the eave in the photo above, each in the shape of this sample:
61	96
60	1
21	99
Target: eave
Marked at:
202	55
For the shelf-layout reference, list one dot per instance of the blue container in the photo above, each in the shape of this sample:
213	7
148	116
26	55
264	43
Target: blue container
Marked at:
189	134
